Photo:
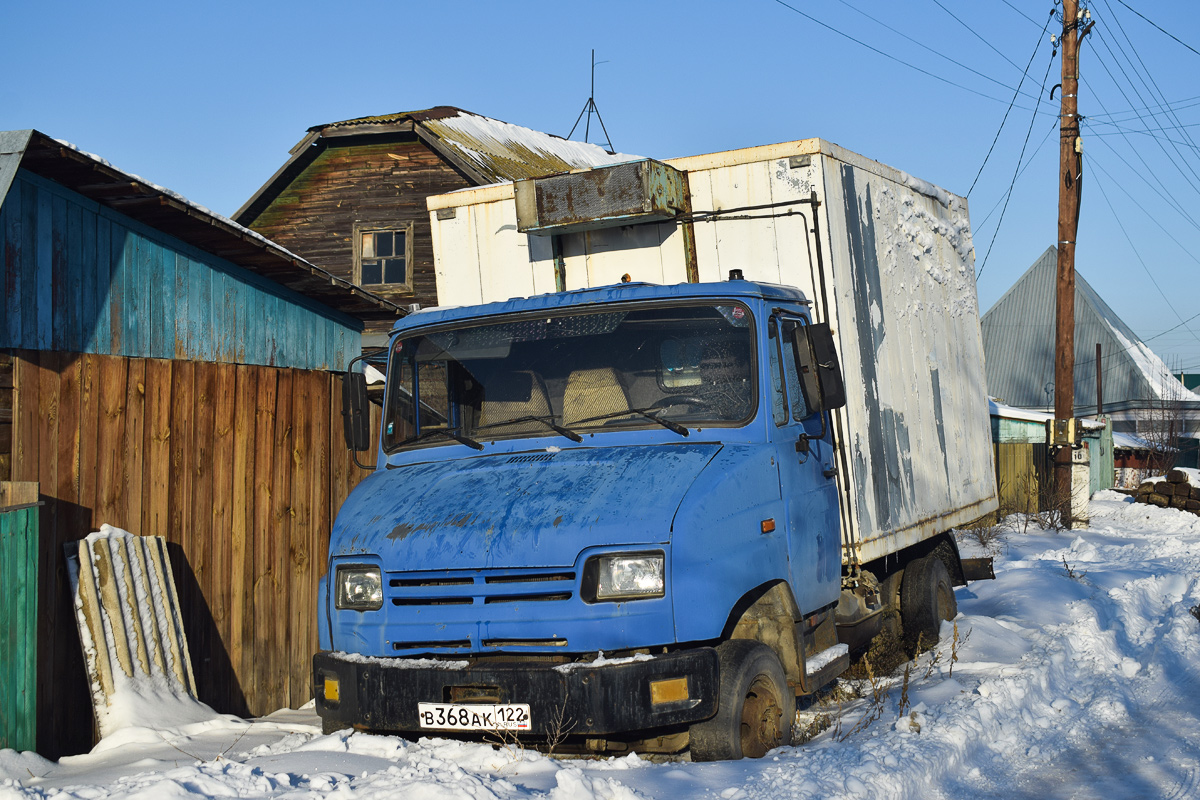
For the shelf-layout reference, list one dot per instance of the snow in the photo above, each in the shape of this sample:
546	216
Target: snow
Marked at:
824	658
146	690
601	660
1073	675
1005	411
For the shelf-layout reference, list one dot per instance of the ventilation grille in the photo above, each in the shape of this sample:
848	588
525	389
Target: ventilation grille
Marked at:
528	459
483	587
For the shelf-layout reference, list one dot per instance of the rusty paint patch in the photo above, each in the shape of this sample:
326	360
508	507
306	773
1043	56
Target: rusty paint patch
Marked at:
557	520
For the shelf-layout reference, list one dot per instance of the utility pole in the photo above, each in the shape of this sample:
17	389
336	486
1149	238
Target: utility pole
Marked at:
1075	27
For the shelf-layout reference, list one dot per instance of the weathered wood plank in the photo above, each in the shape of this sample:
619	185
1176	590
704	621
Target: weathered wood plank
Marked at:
135	428
241	611
90	418
203	469
264	589
12	221
111	472
223	511
299	567
282	522
156	517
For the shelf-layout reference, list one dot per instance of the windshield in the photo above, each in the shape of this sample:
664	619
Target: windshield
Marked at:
678	367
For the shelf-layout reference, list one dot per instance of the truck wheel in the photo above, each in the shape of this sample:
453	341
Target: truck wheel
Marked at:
926	598
755	710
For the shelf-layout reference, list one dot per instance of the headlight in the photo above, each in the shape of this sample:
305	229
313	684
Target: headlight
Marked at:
359	588
624	576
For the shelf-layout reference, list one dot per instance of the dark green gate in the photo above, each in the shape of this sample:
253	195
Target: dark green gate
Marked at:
19	509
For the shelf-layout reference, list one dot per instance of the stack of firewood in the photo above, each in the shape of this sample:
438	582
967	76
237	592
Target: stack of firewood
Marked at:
1172	491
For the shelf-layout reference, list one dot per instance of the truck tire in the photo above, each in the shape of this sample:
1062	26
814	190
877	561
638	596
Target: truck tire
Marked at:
926	598
755	709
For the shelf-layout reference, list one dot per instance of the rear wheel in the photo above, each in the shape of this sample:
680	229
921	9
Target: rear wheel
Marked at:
926	598
756	707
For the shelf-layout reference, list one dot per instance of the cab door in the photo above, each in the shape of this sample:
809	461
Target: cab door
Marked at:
807	474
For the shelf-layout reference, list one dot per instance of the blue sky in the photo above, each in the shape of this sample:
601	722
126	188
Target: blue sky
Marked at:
207	99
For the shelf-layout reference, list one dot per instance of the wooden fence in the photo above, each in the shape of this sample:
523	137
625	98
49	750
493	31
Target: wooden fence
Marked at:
1024	477
241	468
18	615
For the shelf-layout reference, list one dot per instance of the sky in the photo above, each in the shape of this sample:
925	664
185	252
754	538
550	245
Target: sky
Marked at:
207	99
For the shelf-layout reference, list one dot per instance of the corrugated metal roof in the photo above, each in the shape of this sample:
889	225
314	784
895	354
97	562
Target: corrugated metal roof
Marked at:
1018	344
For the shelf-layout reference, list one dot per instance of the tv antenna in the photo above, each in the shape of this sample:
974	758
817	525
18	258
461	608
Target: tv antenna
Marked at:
590	108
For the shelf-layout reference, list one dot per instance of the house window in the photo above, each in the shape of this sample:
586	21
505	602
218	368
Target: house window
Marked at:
384	258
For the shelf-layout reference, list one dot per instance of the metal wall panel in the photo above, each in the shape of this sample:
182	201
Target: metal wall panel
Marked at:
78	277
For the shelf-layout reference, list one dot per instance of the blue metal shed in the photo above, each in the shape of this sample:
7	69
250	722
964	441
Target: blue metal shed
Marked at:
96	260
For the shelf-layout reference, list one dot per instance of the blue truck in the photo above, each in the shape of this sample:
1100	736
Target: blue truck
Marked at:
649	517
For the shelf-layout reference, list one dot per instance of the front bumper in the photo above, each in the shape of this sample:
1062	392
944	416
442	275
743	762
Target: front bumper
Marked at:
382	693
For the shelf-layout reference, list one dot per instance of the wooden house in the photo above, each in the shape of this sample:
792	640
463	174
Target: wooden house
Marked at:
166	371
351	196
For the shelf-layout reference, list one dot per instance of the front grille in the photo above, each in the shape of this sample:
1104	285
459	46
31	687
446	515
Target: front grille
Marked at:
481	586
524	642
459	643
528	459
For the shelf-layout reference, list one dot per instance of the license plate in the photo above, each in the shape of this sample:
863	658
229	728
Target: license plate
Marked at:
474	716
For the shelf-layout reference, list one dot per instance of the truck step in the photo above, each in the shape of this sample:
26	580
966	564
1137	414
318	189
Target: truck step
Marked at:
826	665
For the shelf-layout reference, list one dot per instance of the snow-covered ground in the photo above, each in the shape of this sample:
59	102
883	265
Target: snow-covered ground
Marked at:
1077	676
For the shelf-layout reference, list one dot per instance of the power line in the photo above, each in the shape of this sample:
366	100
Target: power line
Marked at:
937	53
1164	191
1151	85
1153	218
1016	173
1025	74
975	33
1178	104
1121	225
1173	36
1181	157
888	56
1053	127
1019	11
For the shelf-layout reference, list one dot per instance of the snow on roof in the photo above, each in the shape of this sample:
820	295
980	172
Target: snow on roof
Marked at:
997	408
510	152
1127	441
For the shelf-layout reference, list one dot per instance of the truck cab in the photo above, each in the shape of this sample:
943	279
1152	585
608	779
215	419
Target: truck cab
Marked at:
606	518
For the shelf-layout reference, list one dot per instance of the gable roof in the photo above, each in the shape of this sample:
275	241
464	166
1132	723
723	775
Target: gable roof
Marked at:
483	149
173	214
1018	345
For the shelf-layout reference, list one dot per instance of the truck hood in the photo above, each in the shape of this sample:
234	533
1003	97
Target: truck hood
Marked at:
536	509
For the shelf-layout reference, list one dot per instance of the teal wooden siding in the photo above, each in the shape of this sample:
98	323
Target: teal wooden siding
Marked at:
18	627
79	277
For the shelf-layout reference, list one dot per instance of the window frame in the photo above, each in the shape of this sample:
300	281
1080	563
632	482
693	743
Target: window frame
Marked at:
406	228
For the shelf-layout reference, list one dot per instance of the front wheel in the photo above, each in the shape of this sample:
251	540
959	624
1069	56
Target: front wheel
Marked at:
755	709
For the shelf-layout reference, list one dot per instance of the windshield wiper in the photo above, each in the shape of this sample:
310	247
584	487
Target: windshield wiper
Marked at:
547	421
645	412
453	433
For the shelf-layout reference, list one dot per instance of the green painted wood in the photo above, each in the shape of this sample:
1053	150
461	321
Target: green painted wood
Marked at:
18	628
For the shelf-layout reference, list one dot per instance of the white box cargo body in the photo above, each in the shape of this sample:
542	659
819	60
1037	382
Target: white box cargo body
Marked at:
886	259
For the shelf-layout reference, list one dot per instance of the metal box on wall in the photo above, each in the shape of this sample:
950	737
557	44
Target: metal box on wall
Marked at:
623	194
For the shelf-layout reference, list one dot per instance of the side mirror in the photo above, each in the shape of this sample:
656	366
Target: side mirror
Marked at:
818	367
356	415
